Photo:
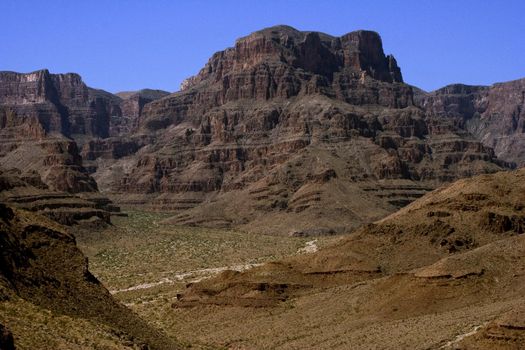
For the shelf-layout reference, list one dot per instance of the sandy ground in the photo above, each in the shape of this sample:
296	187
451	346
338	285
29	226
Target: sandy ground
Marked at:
201	274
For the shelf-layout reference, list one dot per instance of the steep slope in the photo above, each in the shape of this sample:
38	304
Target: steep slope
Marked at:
494	114
56	125
61	103
273	127
25	145
42	268
264	135
50	125
426	275
131	106
43	119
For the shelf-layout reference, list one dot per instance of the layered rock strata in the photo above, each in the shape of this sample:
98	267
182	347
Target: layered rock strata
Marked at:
493	114
276	125
270	129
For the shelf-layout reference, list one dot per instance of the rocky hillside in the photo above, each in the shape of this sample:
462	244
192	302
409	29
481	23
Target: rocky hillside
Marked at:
50	126
447	272
44	275
27	191
494	114
286	132
287	126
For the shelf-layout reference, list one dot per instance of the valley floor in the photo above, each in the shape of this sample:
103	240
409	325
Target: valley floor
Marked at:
147	265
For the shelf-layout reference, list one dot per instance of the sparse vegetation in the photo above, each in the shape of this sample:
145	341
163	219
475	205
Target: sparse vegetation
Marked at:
38	328
138	249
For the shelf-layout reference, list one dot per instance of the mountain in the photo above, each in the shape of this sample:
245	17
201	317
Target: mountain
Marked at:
292	131
493	114
46	120
287	132
60	103
446	271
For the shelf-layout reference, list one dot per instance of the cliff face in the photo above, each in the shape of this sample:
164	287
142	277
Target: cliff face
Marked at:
62	103
39	114
132	104
25	145
493	114
283	62
275	126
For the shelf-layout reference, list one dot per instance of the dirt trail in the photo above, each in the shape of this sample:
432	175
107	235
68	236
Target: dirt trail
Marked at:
190	276
460	337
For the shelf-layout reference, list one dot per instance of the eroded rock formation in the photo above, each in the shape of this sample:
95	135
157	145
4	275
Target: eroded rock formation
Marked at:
493	114
273	128
264	122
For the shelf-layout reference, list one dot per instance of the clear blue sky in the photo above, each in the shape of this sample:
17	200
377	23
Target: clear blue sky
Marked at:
128	45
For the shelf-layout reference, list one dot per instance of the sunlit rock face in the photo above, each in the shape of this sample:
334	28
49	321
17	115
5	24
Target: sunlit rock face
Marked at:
289	113
62	103
493	114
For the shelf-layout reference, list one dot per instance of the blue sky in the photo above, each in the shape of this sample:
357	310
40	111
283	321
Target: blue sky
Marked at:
128	45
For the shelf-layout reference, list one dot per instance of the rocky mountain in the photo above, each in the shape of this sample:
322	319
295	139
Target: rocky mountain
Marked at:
272	128
284	127
445	272
46	120
493	114
60	103
287	132
131	106
43	119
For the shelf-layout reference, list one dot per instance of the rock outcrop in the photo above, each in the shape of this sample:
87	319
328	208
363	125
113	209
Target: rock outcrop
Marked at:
27	191
271	128
493	114
275	125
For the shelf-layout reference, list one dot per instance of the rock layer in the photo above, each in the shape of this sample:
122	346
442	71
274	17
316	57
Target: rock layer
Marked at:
271	128
61	103
493	114
285	116
29	192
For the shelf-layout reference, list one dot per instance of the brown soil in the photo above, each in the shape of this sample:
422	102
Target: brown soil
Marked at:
424	277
